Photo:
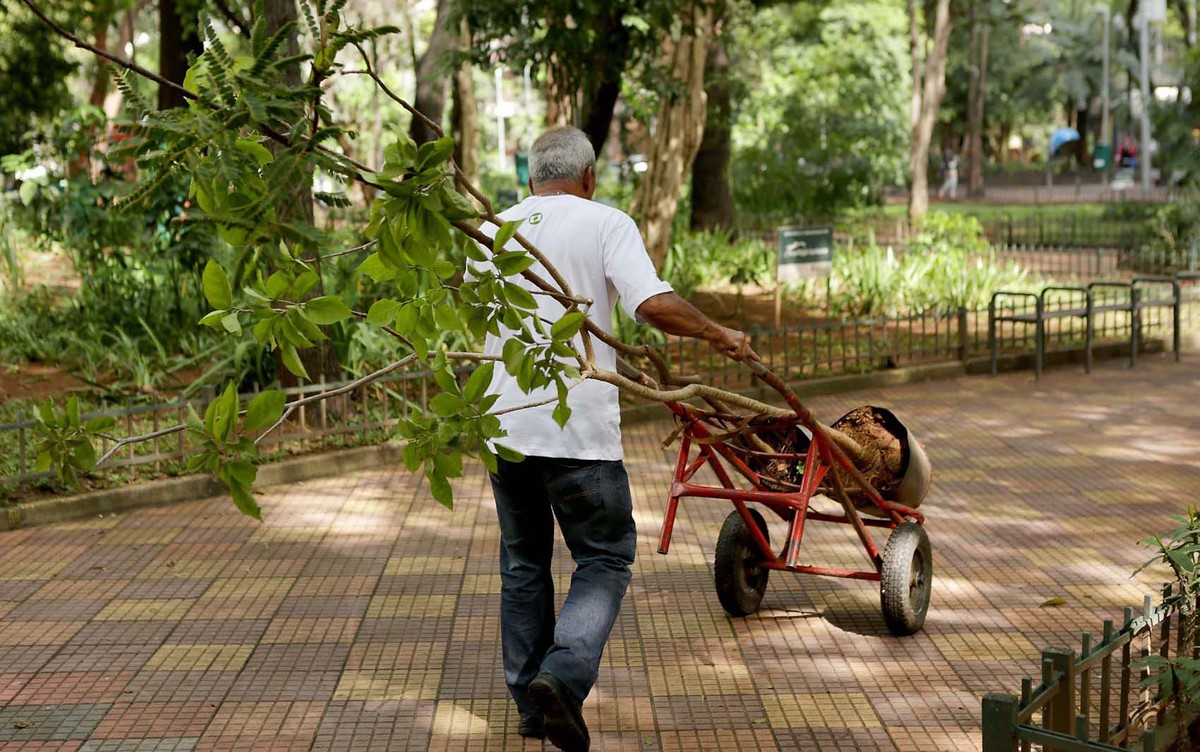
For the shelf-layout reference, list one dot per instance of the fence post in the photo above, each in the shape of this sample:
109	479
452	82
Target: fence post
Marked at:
999	722
962	334
1059	714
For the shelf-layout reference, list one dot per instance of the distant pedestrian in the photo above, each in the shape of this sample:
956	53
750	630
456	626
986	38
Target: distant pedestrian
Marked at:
950	175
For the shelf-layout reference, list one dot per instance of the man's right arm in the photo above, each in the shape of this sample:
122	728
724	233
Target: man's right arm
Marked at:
674	315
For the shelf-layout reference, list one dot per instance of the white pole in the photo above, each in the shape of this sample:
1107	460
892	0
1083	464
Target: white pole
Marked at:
1144	153
1105	134
528	103
501	147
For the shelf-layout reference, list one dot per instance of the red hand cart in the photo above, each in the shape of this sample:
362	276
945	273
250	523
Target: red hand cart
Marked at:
744	557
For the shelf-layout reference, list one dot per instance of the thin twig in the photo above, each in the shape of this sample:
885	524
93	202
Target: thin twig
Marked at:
347	252
186	93
370	71
549	401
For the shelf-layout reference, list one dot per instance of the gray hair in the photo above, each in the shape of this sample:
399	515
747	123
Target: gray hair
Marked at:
560	154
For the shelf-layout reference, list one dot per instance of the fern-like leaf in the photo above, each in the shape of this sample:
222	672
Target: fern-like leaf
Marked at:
313	27
265	56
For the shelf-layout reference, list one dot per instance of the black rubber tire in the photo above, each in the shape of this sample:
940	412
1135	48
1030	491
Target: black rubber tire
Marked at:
740	582
907	579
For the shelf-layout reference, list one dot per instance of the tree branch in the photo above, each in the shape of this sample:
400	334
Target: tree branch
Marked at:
239	25
186	93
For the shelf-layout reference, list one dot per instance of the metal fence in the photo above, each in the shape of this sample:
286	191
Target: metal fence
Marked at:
370	412
366	413
1103	699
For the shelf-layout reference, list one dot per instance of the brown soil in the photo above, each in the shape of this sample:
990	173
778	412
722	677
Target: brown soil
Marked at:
35	381
882	459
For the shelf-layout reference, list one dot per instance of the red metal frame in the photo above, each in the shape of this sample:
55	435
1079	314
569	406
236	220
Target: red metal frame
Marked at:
791	506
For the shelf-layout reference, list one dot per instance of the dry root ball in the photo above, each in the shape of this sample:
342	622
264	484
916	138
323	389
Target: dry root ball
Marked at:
883	458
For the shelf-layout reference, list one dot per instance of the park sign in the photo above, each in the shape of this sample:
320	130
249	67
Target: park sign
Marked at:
804	253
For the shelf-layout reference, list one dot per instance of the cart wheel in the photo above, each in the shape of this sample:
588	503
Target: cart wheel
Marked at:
907	579
740	581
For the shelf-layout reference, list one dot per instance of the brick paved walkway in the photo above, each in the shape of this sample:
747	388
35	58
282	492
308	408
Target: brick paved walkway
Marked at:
362	616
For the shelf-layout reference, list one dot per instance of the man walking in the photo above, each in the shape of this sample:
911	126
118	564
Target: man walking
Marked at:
575	474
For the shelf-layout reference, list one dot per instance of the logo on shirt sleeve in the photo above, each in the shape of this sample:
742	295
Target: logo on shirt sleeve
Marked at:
535	218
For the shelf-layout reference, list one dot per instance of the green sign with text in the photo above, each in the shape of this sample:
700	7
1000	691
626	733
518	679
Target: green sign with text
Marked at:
804	253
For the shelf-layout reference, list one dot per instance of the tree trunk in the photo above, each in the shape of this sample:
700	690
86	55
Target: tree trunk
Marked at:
319	361
430	99
677	136
977	95
931	101
175	40
712	195
464	117
914	52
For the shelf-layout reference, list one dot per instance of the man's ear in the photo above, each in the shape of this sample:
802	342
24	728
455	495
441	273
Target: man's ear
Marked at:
529	183
589	181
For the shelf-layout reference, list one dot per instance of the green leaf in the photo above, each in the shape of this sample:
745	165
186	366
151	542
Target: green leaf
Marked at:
446	318
261	154
446	405
214	318
1058	601
488	459
231	323
326	310
448	464
562	413
512	262
412	456
514	353
99	423
243	497
305	282
264	410
84	455
433	153
45	414
28	192
292	360
441	490
508	455
226	409
481	379
73	412
277	285
383	312
44	461
519	297
216	286
505	234
457	206
568	326
374	267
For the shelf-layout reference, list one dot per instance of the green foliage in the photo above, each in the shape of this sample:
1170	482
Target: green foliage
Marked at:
64	440
948	265
824	123
1178	678
706	259
226	450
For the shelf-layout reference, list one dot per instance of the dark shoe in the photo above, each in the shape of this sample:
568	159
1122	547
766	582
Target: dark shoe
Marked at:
564	714
532	728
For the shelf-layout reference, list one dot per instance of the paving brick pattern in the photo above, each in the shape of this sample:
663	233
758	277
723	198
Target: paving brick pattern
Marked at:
362	615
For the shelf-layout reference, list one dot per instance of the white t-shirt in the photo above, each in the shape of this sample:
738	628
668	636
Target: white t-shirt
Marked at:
599	252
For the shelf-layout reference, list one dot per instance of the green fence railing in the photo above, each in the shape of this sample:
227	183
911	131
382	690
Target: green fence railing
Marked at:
1103	699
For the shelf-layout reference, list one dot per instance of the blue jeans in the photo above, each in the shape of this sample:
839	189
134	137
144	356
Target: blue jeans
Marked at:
594	508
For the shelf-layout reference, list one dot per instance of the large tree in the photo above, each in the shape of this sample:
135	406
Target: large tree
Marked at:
932	75
677	131
581	49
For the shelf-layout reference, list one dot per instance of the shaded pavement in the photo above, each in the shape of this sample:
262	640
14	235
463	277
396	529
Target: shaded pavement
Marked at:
363	616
